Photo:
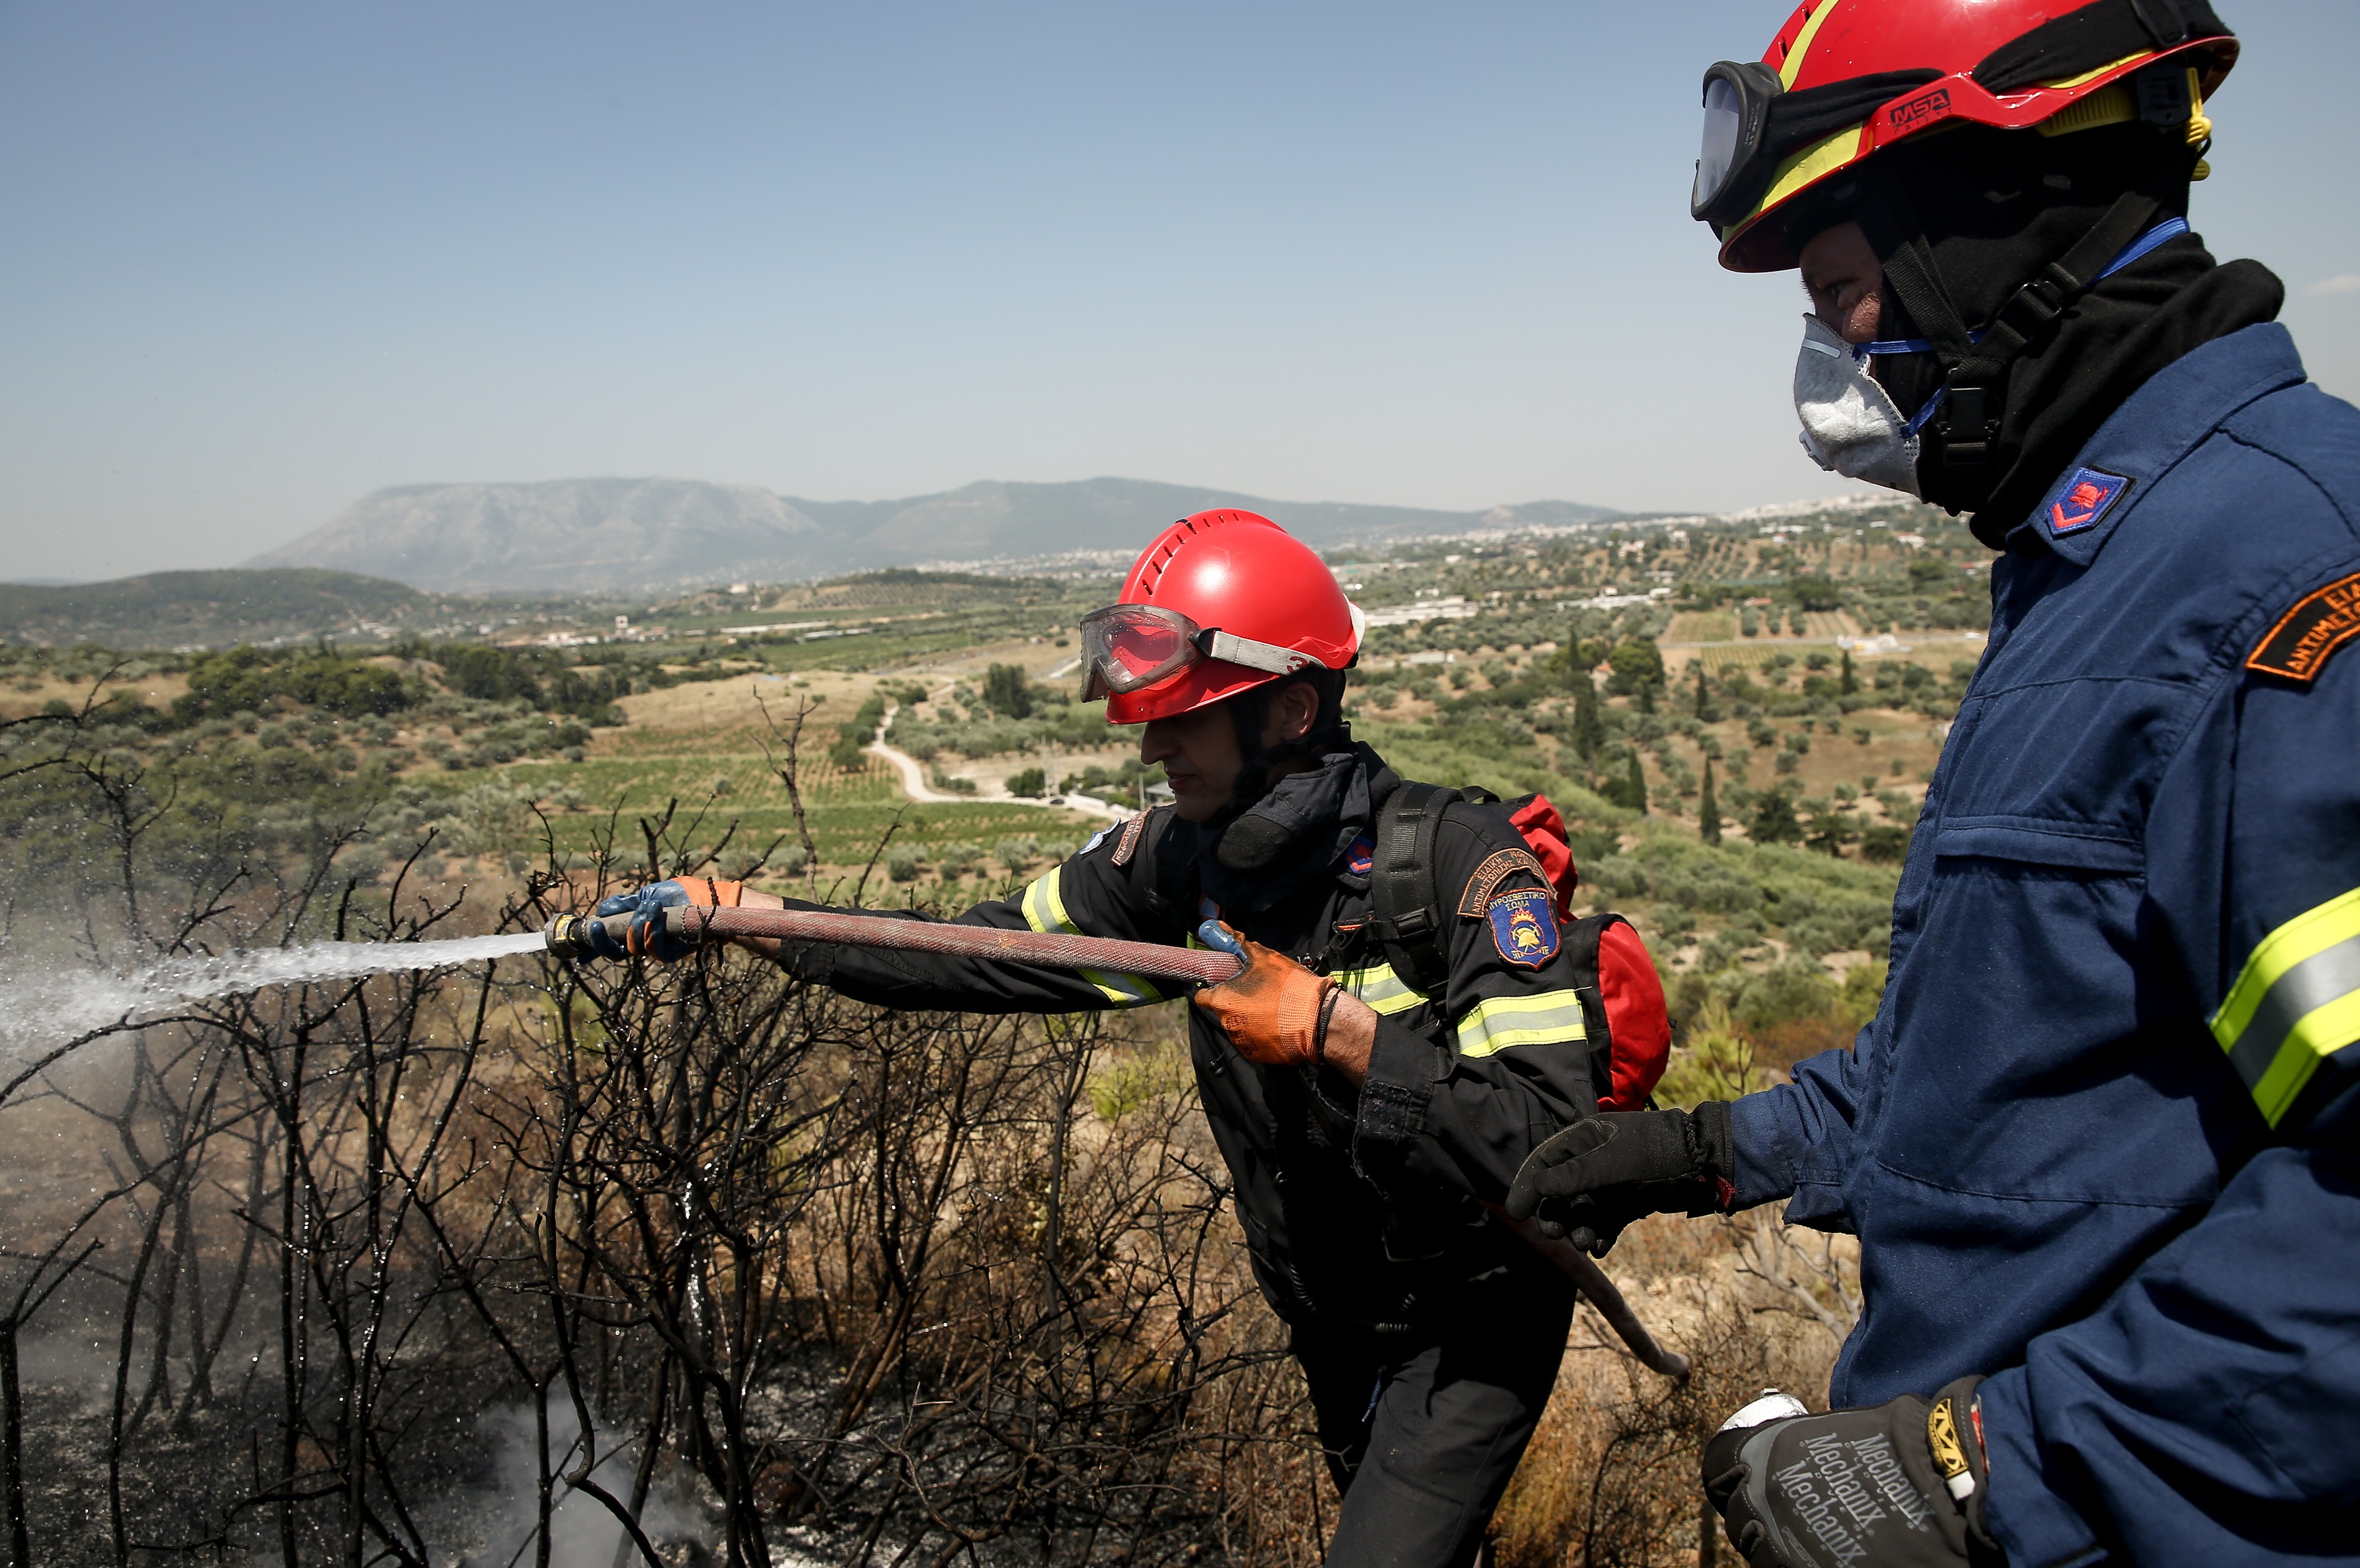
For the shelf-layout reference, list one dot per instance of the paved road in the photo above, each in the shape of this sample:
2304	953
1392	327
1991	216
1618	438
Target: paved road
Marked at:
914	785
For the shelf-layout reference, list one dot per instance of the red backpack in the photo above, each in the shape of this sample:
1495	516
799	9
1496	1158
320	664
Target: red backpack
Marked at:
1623	1008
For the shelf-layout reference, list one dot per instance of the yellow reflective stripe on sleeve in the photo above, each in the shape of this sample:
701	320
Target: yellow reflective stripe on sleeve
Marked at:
1495	1023
1044	910
1385	992
2296	1003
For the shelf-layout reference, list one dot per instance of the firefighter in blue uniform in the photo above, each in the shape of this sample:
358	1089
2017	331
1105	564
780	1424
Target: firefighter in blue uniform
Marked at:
2101	1143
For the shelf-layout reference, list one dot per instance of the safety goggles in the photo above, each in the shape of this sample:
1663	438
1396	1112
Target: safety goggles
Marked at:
1733	159
1753	122
1127	646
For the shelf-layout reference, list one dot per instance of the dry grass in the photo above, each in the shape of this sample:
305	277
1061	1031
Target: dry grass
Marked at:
1611	1475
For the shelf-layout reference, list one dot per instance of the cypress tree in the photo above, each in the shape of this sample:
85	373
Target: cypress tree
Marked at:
1699	696
1587	730
1634	788
1708	808
1849	683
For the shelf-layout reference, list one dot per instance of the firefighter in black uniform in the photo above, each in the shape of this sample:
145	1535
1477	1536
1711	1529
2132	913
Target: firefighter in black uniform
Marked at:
1366	1123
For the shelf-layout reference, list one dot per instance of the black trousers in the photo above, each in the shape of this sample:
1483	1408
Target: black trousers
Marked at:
1422	1433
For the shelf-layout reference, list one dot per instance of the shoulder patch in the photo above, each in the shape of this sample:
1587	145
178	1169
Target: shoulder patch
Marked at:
1361	858
1523	927
2306	637
2089	495
1497	867
1127	844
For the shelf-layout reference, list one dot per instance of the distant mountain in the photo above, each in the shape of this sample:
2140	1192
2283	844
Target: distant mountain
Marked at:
589	535
563	536
211	609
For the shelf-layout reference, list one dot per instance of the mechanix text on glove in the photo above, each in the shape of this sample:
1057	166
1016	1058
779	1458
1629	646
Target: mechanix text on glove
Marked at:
1897	1485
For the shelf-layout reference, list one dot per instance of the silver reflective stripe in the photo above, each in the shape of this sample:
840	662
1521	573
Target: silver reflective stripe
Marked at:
1385	992
1496	1023
2324	977
2295	1004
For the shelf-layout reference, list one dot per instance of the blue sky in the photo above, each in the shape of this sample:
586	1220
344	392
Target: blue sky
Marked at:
261	259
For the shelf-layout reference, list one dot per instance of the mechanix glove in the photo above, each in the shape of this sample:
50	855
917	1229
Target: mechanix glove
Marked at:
1898	1486
1598	1175
1274	1010
647	937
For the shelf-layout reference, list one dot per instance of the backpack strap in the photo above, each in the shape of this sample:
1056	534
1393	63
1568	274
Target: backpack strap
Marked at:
1408	912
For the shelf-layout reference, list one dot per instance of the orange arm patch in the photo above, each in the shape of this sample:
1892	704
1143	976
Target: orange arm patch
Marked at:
2300	645
1497	867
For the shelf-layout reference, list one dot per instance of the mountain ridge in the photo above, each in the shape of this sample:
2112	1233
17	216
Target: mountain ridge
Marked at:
577	536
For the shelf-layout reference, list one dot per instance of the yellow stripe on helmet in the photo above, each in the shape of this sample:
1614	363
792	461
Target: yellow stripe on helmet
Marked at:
1792	66
1815	162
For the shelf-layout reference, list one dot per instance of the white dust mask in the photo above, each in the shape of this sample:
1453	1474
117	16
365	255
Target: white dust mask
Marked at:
1850	426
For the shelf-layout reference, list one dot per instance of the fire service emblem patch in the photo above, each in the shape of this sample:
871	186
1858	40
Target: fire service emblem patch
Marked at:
1523	927
2088	496
2300	645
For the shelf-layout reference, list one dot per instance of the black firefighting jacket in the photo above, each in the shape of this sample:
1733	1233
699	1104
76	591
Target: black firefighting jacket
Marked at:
1360	1206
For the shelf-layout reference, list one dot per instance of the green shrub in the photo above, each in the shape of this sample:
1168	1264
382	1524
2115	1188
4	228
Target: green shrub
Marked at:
1006	691
1031	782
1886	843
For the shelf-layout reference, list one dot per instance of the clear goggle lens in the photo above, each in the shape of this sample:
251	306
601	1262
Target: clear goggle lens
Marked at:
1723	117
1126	646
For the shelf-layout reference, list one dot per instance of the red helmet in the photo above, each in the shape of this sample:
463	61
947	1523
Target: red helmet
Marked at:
1220	603
1845	78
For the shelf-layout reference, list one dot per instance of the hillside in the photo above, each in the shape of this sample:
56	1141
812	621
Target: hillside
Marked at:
210	609
592	535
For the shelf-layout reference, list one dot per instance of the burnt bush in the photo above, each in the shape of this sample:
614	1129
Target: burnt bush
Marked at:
521	1262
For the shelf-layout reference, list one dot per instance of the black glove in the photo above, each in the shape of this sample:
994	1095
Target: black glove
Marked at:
1598	1175
1900	1486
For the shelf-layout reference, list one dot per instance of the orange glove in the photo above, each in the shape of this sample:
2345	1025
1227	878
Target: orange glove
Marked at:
1274	1010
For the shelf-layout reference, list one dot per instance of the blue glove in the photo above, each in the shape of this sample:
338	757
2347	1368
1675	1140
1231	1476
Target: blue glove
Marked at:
648	938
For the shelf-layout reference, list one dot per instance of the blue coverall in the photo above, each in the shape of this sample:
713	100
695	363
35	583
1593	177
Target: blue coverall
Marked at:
2102	1142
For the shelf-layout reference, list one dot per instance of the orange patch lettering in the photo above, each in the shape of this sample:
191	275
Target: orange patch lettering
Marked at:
2299	646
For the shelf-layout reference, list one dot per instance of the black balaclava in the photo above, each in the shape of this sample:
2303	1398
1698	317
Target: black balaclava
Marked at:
1276	830
1993	209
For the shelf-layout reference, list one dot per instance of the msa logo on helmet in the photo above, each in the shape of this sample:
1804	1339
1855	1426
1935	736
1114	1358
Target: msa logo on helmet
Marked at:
2088	496
1523	927
1925	106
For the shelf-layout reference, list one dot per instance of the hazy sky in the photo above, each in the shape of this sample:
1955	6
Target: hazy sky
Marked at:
257	260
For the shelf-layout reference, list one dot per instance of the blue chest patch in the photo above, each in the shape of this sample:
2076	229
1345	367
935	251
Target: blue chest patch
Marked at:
1523	927
1361	858
2087	497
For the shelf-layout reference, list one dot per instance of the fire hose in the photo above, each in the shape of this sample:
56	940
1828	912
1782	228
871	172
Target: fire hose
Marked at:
568	939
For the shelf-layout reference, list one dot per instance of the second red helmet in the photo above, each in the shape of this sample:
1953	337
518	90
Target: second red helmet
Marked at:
1220	603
